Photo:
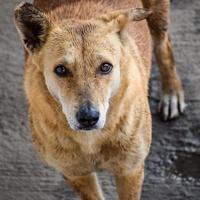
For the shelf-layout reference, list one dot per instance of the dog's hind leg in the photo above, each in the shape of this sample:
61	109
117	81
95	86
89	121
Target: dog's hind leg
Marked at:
86	187
172	101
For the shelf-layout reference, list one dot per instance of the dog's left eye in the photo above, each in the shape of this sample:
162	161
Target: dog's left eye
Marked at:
61	71
105	68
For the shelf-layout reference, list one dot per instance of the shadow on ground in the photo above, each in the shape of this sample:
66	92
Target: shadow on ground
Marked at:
173	166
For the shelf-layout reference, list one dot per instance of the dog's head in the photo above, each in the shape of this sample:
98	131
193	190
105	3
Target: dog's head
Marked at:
80	59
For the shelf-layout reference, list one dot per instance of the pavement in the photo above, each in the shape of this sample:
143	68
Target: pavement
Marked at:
173	166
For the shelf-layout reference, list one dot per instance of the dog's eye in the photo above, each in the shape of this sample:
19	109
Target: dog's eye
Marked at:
61	71
105	68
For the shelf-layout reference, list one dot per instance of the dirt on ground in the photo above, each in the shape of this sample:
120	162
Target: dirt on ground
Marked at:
173	166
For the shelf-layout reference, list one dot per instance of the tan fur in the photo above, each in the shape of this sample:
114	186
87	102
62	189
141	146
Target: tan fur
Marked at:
80	34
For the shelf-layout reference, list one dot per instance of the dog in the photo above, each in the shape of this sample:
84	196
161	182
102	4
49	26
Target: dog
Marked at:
87	68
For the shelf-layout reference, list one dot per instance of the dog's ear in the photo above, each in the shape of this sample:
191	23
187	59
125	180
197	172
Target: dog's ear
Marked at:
33	26
117	20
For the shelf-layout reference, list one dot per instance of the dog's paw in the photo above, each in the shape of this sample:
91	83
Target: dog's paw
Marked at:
172	105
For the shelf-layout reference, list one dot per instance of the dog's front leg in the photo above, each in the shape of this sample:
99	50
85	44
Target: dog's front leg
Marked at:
87	187
129	185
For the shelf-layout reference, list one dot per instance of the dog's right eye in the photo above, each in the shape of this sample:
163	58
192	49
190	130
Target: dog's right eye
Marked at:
105	68
61	71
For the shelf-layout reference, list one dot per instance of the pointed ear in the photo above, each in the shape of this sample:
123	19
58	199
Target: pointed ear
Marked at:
32	26
117	20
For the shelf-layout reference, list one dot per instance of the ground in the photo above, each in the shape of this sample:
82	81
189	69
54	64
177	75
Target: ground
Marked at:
173	166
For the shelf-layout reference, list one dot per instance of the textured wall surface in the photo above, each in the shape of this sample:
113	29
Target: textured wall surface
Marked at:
173	166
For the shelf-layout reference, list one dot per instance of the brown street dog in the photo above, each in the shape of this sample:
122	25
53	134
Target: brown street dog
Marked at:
86	81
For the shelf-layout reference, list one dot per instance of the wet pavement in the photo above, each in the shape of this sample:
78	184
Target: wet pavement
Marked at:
173	166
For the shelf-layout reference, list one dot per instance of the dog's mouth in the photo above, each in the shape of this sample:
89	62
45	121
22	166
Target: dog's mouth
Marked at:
82	128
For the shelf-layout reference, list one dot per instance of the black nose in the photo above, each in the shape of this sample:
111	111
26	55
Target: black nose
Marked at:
87	116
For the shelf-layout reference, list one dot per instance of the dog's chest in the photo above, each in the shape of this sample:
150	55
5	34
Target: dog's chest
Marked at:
93	156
